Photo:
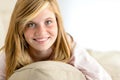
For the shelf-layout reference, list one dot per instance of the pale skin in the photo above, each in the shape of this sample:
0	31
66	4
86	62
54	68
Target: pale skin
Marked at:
41	33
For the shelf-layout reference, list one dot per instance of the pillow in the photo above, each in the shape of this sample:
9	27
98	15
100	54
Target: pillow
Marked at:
47	70
110	62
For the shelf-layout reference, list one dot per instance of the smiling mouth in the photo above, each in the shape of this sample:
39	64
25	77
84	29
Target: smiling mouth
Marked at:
41	40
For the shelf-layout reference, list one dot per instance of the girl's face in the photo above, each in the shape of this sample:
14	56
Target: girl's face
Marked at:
41	32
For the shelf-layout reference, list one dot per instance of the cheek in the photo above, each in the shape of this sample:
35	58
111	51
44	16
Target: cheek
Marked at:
28	34
55	31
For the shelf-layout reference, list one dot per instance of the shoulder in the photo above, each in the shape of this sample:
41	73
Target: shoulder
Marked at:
89	66
81	54
70	41
77	50
69	38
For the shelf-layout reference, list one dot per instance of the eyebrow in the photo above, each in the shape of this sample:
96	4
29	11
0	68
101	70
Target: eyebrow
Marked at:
49	18
32	21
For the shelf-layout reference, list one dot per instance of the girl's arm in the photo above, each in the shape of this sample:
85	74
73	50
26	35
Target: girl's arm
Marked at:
88	65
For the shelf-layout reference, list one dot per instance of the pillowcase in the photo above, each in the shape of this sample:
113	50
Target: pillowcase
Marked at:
47	70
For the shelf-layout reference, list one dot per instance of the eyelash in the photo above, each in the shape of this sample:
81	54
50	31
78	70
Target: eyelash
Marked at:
48	22
31	25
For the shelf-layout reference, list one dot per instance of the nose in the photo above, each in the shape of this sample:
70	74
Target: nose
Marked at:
40	30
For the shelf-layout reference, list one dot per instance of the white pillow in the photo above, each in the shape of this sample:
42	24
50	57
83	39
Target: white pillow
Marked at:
48	70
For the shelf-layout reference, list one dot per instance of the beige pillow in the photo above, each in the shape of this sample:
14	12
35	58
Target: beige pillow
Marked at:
110	60
48	70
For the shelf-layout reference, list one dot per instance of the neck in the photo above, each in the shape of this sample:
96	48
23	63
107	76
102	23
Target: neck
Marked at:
40	55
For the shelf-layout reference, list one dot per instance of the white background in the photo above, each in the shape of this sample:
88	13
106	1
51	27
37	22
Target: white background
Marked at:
94	24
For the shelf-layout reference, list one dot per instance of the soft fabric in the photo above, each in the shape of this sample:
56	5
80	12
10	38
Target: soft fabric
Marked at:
85	63
48	70
88	65
110	60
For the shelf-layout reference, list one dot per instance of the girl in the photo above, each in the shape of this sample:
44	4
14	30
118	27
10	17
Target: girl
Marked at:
36	33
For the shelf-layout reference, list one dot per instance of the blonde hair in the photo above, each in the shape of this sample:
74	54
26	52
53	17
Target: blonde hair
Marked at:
15	45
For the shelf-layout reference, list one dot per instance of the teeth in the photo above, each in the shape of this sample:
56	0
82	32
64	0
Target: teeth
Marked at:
41	39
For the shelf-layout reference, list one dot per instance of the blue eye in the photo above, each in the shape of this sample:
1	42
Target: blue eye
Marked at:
48	22
31	25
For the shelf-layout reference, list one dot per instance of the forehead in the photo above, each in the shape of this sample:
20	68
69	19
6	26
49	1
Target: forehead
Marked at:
45	13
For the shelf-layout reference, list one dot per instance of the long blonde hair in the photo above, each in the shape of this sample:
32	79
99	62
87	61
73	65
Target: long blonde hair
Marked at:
15	45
